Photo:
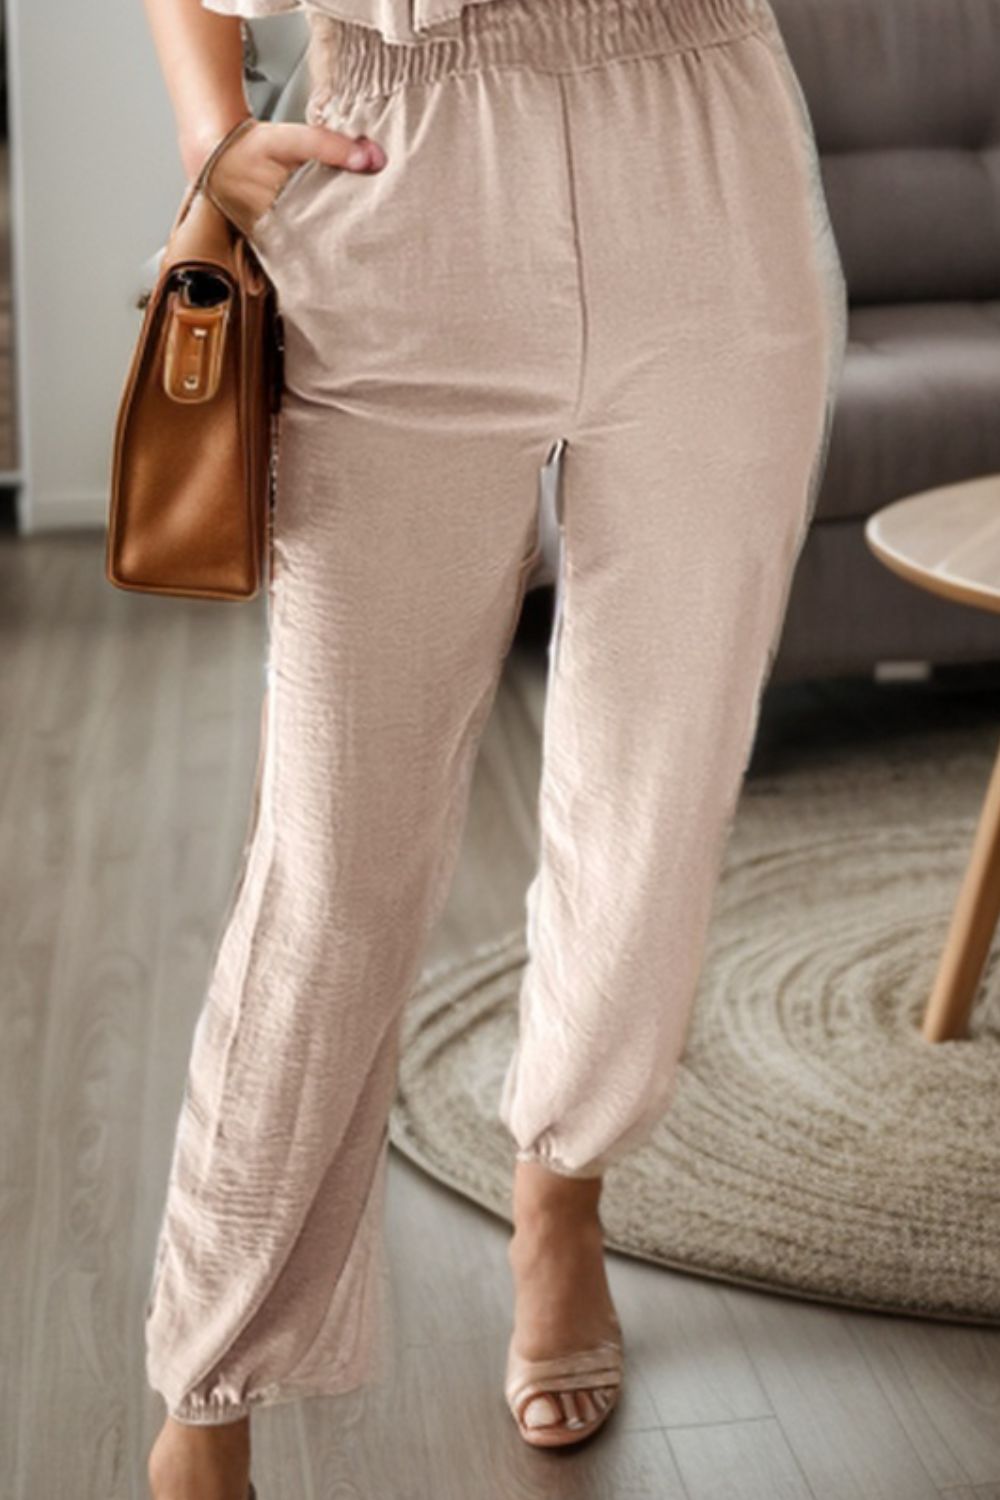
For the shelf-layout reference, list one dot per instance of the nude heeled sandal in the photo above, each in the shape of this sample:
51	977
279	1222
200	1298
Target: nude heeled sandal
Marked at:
599	1366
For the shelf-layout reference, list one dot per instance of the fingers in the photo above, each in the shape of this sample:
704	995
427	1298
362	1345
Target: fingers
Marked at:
248	175
295	143
366	155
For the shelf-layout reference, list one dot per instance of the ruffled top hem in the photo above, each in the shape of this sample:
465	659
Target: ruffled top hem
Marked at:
396	20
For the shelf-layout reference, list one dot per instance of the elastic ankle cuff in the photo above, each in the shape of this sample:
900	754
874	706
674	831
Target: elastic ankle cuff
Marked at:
213	1415
554	1164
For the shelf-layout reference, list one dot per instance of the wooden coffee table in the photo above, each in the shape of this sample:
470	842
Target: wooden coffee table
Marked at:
947	540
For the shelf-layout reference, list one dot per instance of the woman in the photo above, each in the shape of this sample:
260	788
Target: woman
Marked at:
506	229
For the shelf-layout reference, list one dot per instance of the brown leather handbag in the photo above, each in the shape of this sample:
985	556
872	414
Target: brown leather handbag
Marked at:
192	483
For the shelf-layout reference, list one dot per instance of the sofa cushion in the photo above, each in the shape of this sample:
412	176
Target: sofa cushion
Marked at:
918	404
904	97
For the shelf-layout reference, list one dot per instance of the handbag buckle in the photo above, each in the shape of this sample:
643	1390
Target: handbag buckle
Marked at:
197	316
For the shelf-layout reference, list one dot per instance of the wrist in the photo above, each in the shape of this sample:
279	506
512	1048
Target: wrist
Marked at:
197	139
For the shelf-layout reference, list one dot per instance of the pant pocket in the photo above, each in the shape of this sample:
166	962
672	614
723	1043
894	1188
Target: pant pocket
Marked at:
261	226
254	229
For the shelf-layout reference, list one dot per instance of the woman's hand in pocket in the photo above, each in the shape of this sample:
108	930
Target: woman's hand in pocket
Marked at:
249	173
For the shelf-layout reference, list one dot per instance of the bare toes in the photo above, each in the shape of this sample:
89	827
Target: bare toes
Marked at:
586	1406
542	1411
573	1416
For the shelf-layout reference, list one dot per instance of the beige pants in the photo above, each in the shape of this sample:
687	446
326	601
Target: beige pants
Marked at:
601	225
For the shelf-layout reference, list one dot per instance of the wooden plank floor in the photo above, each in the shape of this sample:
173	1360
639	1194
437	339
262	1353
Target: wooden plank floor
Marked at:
129	735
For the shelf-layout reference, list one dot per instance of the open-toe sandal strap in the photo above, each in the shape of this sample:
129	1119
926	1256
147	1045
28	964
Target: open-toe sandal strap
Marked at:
585	1362
532	1378
568	1380
520	1399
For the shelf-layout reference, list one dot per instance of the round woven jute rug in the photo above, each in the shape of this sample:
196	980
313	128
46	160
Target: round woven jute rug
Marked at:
816	1145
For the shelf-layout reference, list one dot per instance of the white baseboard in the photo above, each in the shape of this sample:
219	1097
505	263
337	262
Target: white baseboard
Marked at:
61	512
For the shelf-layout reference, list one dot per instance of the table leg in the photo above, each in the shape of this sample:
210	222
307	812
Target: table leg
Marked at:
973	925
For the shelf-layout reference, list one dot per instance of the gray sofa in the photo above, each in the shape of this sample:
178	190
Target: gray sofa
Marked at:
905	101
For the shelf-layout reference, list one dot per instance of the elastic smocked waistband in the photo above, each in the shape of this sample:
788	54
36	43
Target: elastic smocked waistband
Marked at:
350	61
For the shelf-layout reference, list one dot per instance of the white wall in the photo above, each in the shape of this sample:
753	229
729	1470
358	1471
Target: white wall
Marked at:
95	183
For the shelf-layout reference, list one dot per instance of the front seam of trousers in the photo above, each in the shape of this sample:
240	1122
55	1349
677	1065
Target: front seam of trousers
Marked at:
600	234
